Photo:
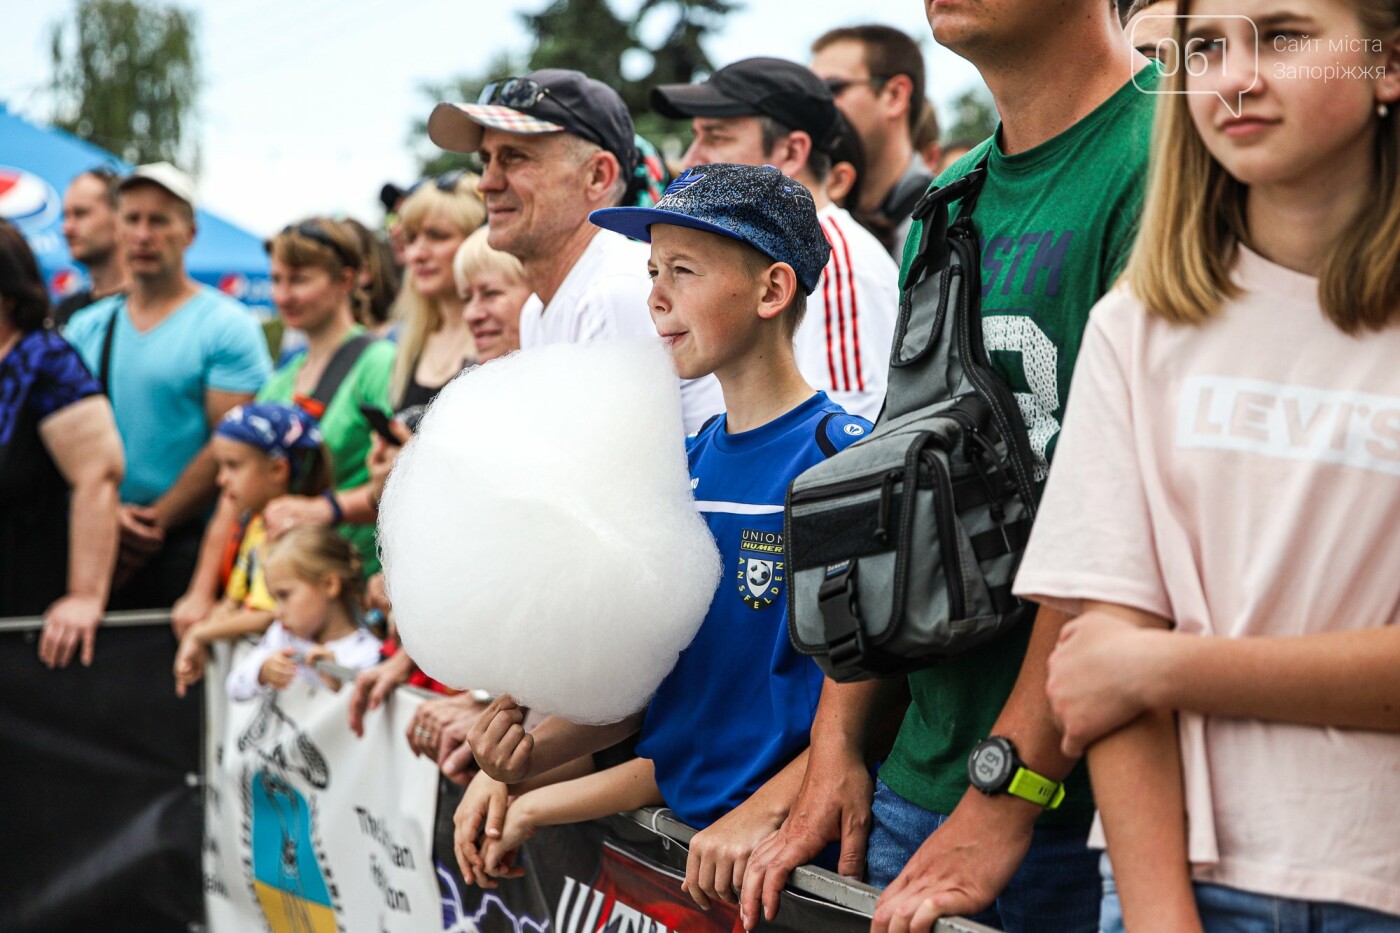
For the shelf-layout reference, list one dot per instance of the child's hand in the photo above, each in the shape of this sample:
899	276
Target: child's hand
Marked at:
278	670
520	825
190	661
499	741
482	810
321	653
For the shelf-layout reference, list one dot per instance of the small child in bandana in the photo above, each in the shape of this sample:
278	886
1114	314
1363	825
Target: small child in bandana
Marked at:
264	450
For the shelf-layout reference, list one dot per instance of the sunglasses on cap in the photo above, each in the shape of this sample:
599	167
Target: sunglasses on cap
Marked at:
520	94
315	234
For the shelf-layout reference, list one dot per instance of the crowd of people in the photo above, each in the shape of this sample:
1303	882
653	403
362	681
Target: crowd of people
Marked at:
1190	280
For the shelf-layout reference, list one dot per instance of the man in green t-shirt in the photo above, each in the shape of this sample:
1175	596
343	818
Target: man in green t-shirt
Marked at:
1056	219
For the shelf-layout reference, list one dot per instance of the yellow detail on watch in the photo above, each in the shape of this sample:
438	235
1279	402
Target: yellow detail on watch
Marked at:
1041	791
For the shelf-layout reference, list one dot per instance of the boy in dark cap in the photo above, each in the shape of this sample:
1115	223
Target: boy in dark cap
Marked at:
735	251
767	111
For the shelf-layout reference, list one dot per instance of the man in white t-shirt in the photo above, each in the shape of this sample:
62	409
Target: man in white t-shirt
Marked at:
555	146
767	111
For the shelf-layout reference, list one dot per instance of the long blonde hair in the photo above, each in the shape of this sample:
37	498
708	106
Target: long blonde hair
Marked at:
1194	219
419	315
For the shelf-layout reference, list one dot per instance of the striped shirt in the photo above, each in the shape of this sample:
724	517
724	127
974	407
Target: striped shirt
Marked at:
843	343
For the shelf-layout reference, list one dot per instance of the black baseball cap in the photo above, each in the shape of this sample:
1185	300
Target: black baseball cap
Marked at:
774	87
551	100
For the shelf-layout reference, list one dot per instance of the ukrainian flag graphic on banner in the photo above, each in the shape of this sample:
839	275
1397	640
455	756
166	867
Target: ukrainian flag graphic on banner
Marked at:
287	876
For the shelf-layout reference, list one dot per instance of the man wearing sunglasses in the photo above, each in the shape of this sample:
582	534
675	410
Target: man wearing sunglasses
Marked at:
556	145
876	74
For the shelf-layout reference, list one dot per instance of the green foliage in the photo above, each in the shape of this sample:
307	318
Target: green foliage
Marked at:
974	116
126	77
589	36
433	161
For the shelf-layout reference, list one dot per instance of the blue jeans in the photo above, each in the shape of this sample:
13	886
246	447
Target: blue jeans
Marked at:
1230	910
1056	889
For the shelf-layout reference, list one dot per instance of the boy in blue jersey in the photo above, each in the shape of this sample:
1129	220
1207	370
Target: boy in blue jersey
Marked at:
735	251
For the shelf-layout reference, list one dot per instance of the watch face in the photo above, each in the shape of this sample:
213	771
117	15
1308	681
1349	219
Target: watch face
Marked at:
990	766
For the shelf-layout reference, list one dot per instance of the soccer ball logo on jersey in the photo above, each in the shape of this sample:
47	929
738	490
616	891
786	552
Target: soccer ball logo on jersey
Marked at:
761	567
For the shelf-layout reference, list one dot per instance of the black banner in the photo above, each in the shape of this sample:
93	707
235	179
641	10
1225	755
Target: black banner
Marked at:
101	820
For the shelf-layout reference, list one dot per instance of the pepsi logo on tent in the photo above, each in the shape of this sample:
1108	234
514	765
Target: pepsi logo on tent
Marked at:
27	200
234	285
65	282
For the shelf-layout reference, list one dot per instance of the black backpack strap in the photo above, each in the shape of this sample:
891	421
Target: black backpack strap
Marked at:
104	365
932	211
344	360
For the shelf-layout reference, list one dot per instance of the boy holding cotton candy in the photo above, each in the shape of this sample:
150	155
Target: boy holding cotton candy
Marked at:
735	251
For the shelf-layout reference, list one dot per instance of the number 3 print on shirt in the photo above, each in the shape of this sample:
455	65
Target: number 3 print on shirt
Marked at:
1018	334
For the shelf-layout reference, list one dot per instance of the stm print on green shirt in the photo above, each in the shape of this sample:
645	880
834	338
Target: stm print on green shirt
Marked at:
1056	224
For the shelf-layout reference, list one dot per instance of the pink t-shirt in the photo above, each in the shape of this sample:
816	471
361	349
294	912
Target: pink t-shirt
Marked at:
1243	478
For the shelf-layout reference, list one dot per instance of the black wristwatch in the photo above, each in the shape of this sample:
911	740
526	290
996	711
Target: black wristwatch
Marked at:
995	768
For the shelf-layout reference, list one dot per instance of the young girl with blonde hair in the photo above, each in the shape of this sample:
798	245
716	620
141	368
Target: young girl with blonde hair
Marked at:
1230	470
317	581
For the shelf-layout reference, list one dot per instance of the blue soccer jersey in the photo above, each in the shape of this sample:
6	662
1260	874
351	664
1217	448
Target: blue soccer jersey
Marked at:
739	703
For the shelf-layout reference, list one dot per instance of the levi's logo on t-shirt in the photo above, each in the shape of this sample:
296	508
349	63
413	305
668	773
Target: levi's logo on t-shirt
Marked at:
1290	422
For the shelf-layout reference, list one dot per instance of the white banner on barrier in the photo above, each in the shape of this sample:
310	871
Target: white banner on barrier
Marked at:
307	828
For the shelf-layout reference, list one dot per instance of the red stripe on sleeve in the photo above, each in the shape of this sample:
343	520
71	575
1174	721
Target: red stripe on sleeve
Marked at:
826	300
842	275
855	313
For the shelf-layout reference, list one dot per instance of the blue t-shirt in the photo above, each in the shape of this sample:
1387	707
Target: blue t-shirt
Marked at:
738	705
158	379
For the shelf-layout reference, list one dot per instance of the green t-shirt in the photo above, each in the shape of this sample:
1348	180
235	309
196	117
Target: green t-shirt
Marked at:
1056	224
346	432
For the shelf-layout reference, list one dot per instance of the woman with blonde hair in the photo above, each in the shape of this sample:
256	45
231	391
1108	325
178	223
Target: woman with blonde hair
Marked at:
1222	511
435	343
492	284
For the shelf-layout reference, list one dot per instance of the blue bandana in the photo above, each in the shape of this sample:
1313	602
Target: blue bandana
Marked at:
277	430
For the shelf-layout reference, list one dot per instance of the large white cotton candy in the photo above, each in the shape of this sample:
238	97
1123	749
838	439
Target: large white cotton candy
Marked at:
539	535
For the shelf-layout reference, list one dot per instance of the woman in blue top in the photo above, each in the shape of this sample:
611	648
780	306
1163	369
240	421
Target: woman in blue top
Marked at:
60	465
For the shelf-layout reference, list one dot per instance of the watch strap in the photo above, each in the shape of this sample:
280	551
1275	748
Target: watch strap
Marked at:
1039	790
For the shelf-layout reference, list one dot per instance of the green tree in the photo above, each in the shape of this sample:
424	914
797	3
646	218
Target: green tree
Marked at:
126	77
974	116
433	161
589	36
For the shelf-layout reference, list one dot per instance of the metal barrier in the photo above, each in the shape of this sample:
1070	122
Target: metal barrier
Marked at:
808	880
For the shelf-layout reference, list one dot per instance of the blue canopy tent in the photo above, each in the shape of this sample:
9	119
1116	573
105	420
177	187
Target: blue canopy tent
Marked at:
36	165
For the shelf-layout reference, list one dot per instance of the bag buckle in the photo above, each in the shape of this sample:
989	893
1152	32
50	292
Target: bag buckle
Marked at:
836	598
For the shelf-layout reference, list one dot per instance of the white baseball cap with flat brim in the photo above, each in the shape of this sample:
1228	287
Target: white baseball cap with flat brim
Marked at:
166	176
459	127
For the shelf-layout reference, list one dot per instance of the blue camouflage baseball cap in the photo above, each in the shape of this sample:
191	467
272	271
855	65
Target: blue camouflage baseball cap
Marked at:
753	204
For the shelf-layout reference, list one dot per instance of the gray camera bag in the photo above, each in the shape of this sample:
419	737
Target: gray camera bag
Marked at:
902	547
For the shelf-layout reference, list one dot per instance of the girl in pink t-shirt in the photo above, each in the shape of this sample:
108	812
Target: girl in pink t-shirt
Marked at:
1229	469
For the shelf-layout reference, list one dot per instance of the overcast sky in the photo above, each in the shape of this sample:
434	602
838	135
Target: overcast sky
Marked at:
307	104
